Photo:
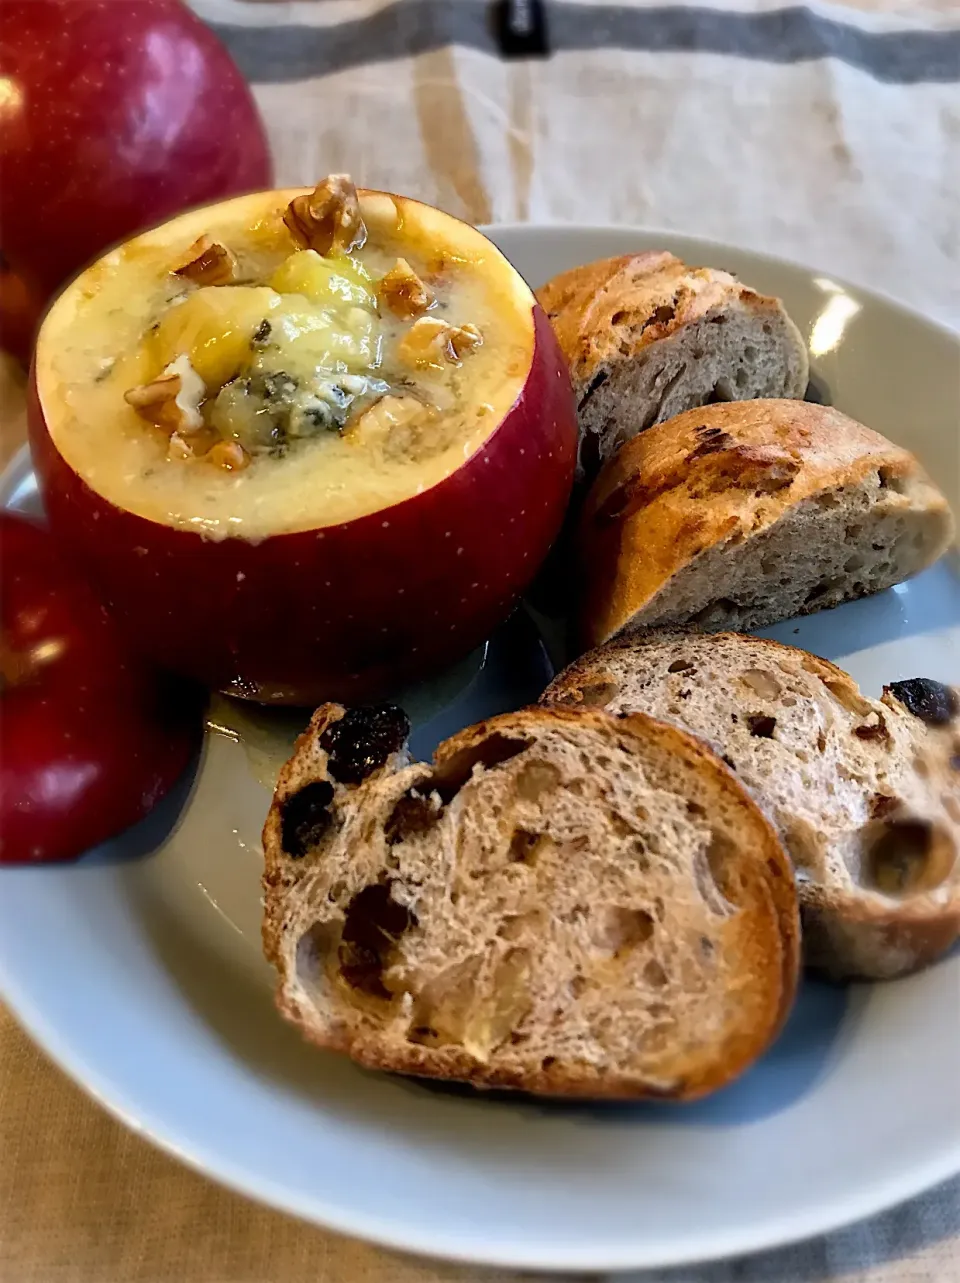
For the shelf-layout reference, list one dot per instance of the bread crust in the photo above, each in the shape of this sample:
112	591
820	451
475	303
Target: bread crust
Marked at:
849	932
717	477
585	302
770	945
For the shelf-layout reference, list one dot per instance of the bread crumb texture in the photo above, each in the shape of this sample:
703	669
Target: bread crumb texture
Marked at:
562	902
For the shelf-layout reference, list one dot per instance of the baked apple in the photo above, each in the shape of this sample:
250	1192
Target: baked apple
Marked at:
308	444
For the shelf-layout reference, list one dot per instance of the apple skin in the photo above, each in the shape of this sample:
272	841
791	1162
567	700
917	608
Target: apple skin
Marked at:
347	612
90	738
116	115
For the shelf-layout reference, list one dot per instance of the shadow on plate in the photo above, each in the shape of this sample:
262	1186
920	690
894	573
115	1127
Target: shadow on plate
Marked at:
240	1014
928	603
800	1056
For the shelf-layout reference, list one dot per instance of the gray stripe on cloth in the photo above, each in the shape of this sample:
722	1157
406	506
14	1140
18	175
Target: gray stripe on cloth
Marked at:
277	54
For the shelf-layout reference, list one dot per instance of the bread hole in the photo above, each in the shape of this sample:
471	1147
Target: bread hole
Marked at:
821	742
442	1006
659	909
706	946
761	682
600	693
619	929
802	756
548	1062
596	382
766	328
828	499
887	479
536	778
847	696
578	985
654	974
682	666
823	587
761	726
750	353
907	856
305	818
518	1039
372	927
853	531
314	949
720	611
723	389
712	873
694	808
658	1010
620	826
618	318
493	750
741	378
412	816
524	846
363	740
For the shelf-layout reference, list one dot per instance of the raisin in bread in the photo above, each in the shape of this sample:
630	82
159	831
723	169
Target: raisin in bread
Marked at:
865	793
563	903
737	516
647	337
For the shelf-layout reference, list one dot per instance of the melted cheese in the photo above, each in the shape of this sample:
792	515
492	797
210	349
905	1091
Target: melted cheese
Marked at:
326	344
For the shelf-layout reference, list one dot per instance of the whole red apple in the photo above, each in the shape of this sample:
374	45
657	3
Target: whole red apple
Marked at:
114	114
90	739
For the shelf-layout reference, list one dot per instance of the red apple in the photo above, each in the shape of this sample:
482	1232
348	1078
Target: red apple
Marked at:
346	610
114	114
90	739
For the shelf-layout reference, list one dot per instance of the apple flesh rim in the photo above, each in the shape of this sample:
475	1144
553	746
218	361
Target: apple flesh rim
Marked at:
348	611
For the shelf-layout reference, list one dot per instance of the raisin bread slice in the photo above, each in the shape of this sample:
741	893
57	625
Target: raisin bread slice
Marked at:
865	793
737	516
647	337
563	903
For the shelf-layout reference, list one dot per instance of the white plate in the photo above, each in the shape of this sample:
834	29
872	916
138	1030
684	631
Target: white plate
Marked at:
139	969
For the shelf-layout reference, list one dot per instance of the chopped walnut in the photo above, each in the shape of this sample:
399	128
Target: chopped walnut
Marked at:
403	292
327	218
172	401
431	341
209	263
229	455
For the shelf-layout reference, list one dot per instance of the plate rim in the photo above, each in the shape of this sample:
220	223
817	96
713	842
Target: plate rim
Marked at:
780	1231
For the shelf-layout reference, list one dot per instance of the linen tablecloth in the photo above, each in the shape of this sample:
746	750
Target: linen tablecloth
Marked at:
828	134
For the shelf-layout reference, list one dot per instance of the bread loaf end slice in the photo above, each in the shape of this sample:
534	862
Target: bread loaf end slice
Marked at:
738	516
647	337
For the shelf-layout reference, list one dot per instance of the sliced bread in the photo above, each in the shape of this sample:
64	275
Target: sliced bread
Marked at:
740	515
562	903
647	337
865	793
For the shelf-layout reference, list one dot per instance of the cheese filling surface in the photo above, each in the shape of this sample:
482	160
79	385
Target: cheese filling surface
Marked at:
289	369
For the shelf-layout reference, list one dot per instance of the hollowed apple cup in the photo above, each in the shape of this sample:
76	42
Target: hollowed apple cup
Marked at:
307	445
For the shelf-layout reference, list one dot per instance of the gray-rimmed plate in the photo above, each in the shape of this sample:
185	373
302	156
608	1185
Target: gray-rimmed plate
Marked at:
139	968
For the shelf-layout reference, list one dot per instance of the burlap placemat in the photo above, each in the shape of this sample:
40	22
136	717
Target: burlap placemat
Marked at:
826	134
